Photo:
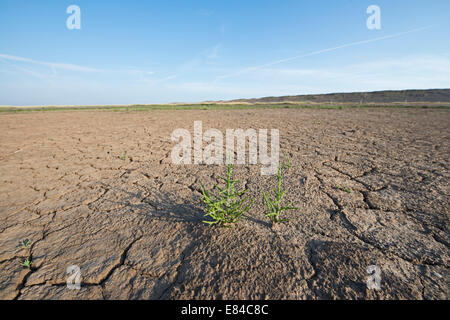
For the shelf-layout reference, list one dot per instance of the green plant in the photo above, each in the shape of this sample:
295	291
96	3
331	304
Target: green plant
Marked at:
124	156
26	263
287	165
348	190
274	207
24	244
227	207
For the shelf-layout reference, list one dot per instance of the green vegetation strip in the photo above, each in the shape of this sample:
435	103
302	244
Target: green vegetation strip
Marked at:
218	106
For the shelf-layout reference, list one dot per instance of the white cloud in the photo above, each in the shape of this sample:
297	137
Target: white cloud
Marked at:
53	65
414	71
272	63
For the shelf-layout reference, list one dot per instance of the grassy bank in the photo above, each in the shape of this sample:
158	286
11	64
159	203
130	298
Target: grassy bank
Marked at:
212	106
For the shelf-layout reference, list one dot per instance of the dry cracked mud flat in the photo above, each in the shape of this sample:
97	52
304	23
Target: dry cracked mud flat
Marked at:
133	224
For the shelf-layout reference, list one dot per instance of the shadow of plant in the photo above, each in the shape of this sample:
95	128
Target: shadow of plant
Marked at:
168	205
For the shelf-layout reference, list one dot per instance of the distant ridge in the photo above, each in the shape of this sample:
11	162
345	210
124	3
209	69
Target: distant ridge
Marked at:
388	96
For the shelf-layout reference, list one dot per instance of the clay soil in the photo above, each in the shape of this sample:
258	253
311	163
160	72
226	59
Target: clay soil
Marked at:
371	187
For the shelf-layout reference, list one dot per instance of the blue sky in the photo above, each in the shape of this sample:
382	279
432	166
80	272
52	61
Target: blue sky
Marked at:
133	51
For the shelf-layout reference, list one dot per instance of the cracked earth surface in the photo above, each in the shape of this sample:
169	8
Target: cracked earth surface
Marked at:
372	188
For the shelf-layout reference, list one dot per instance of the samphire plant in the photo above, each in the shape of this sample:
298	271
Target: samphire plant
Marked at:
287	165
26	263
26	244
227	206
274	206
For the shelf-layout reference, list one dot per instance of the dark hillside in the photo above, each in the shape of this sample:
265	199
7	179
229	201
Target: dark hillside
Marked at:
405	96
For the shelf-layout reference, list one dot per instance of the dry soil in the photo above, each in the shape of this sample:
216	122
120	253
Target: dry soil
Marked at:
371	187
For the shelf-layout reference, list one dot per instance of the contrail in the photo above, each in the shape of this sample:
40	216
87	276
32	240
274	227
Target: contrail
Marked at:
250	69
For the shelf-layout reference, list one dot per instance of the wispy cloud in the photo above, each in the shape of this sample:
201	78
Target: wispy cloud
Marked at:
52	65
21	69
207	55
213	53
403	72
51	70
412	65
272	63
